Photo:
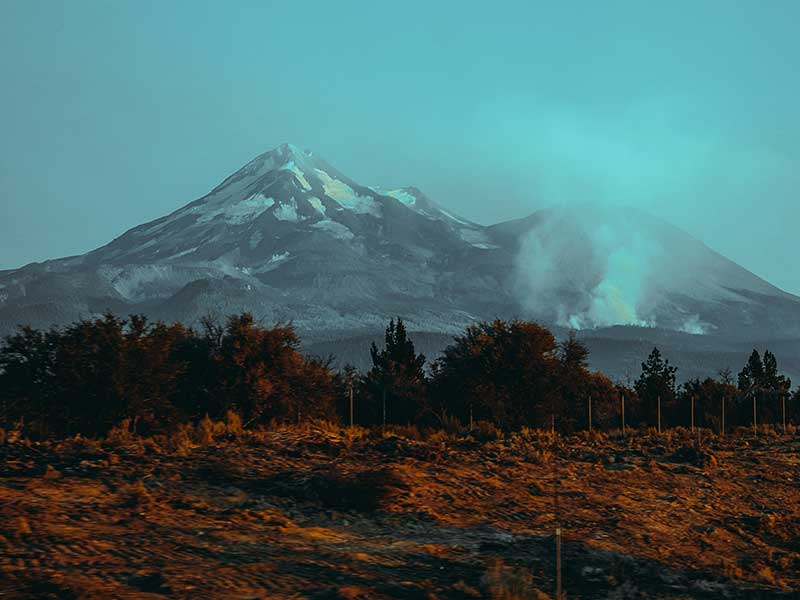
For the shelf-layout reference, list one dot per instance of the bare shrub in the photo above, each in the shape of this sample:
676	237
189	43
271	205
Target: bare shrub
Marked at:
505	582
485	431
207	430
361	491
451	425
181	441
540	456
364	491
134	495
121	434
440	436
409	432
233	424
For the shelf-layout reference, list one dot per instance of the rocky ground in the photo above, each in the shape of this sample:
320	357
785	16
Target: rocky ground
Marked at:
327	513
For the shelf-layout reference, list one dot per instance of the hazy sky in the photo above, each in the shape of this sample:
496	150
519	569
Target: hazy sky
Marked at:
114	113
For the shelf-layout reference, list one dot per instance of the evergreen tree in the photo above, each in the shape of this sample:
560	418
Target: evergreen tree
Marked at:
774	381
575	384
263	376
395	386
27	386
657	382
752	375
793	408
573	354
760	380
708	395
503	372
606	402
726	376
90	375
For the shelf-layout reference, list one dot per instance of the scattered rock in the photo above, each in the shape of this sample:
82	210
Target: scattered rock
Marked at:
619	467
703	528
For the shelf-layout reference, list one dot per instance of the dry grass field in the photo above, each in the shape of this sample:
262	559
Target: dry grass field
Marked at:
320	512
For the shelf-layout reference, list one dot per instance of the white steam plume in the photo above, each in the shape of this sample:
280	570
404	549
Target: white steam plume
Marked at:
586	267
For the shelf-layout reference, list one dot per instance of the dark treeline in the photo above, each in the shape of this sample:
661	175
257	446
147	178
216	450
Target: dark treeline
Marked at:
89	376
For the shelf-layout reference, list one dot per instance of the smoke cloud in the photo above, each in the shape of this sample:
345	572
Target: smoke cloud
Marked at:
585	267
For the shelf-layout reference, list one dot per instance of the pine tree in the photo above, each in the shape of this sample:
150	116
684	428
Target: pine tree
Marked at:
752	375
575	384
656	383
573	354
774	381
394	388
761	382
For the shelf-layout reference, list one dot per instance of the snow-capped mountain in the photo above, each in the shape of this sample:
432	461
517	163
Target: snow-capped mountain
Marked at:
287	237
290	238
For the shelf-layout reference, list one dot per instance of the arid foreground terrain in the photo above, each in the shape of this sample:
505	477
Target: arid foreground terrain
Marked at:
327	513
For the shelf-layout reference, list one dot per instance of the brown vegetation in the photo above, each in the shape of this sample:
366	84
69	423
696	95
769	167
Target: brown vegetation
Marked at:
90	376
317	511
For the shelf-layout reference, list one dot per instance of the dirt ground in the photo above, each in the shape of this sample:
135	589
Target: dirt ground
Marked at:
321	513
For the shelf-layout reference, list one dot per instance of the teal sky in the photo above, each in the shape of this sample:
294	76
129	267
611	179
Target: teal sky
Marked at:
114	113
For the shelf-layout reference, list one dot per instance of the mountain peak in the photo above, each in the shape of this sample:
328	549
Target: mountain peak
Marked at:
290	151
281	157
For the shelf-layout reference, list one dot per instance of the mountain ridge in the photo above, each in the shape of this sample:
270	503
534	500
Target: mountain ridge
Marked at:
291	238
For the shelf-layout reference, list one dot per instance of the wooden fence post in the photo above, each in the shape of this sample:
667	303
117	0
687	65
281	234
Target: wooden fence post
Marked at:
659	415
351	403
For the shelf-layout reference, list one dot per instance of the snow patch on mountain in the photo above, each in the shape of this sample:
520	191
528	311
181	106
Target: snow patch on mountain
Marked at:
403	196
240	212
292	167
476	238
182	253
279	257
347	197
337	230
450	215
275	261
134	283
287	211
317	204
255	240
